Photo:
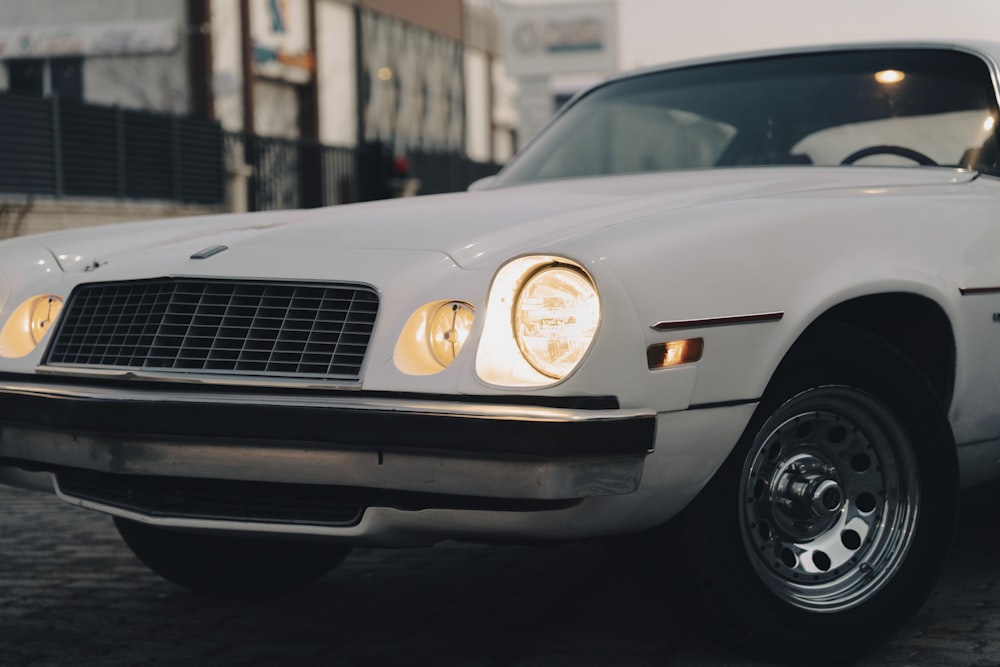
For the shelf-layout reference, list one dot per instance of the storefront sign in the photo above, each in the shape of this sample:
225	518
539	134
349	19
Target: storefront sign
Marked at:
89	39
560	39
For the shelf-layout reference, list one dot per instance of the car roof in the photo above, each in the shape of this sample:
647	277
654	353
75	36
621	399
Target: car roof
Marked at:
988	50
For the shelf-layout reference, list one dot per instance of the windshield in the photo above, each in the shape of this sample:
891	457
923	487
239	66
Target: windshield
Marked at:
919	107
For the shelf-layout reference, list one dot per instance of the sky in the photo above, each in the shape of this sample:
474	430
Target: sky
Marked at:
655	31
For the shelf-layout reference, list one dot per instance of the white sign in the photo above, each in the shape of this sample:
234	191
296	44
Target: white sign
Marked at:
89	39
541	40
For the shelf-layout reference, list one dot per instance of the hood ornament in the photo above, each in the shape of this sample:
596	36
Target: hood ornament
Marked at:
208	252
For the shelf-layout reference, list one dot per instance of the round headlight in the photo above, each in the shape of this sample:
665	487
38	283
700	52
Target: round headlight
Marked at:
43	315
555	319
448	329
28	324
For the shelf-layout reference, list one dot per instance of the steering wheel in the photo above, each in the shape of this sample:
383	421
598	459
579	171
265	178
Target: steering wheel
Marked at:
886	149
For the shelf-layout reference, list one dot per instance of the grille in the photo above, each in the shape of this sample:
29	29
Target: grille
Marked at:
214	499
217	327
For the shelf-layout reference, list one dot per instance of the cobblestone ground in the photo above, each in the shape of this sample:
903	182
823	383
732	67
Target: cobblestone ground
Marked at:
71	594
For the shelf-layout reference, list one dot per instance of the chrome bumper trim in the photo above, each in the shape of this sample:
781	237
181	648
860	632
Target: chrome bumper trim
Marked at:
475	449
484	477
357	402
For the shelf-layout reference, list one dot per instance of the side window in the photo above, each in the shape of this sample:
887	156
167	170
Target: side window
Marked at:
632	138
649	138
581	158
40	77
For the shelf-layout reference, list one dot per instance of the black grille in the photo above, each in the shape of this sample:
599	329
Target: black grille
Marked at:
205	326
214	499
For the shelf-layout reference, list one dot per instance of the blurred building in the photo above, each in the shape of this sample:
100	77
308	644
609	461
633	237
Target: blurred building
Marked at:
408	81
554	50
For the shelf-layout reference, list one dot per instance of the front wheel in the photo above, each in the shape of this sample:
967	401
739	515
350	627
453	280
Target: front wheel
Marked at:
830	498
229	564
827	525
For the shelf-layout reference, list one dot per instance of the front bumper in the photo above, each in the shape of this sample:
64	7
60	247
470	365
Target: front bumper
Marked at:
431	451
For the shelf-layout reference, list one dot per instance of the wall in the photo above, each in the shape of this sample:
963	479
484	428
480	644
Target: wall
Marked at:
227	67
441	16
336	73
147	69
478	133
506	134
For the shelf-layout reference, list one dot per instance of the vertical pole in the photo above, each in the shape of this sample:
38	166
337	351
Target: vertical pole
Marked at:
359	75
120	156
491	101
57	144
200	70
311	177
246	38
309	109
249	139
175	158
357	189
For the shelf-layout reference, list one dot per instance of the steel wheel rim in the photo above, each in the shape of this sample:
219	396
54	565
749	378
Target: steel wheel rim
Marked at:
828	499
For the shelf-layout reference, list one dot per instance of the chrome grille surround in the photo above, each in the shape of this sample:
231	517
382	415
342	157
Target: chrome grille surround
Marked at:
217	327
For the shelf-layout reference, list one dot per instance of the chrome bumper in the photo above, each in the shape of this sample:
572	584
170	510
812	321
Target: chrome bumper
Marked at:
433	445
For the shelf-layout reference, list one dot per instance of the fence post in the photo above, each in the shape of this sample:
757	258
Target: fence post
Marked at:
253	159
57	144
175	158
373	171
120	157
310	174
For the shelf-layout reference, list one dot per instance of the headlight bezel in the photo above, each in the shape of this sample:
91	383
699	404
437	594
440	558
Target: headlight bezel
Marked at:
500	361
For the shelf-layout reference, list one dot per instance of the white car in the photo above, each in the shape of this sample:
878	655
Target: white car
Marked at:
756	295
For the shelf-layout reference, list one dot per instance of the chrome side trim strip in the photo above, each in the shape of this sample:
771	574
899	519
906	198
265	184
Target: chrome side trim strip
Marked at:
730	320
973	291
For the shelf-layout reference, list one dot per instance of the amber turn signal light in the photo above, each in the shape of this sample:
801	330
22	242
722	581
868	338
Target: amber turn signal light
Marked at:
674	353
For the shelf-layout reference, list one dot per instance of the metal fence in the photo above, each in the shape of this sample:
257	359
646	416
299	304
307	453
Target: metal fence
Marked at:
63	147
288	173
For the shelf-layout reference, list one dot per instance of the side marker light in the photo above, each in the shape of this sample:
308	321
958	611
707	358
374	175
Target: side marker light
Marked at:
674	353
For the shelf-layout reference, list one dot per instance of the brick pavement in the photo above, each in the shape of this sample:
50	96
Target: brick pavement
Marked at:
71	594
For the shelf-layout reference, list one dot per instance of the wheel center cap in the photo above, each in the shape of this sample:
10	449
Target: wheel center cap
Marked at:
808	489
827	498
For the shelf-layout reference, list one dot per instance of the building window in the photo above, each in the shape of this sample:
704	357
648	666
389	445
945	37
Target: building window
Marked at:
66	76
26	76
46	76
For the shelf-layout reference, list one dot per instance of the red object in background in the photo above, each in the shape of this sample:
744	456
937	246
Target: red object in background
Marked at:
400	166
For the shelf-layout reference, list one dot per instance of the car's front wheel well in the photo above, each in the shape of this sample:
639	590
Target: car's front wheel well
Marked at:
913	324
834	512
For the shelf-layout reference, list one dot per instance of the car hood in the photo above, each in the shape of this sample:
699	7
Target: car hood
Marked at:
473	229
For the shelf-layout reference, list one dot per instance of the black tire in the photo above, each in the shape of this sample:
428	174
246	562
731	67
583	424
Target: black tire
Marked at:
827	525
229	564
